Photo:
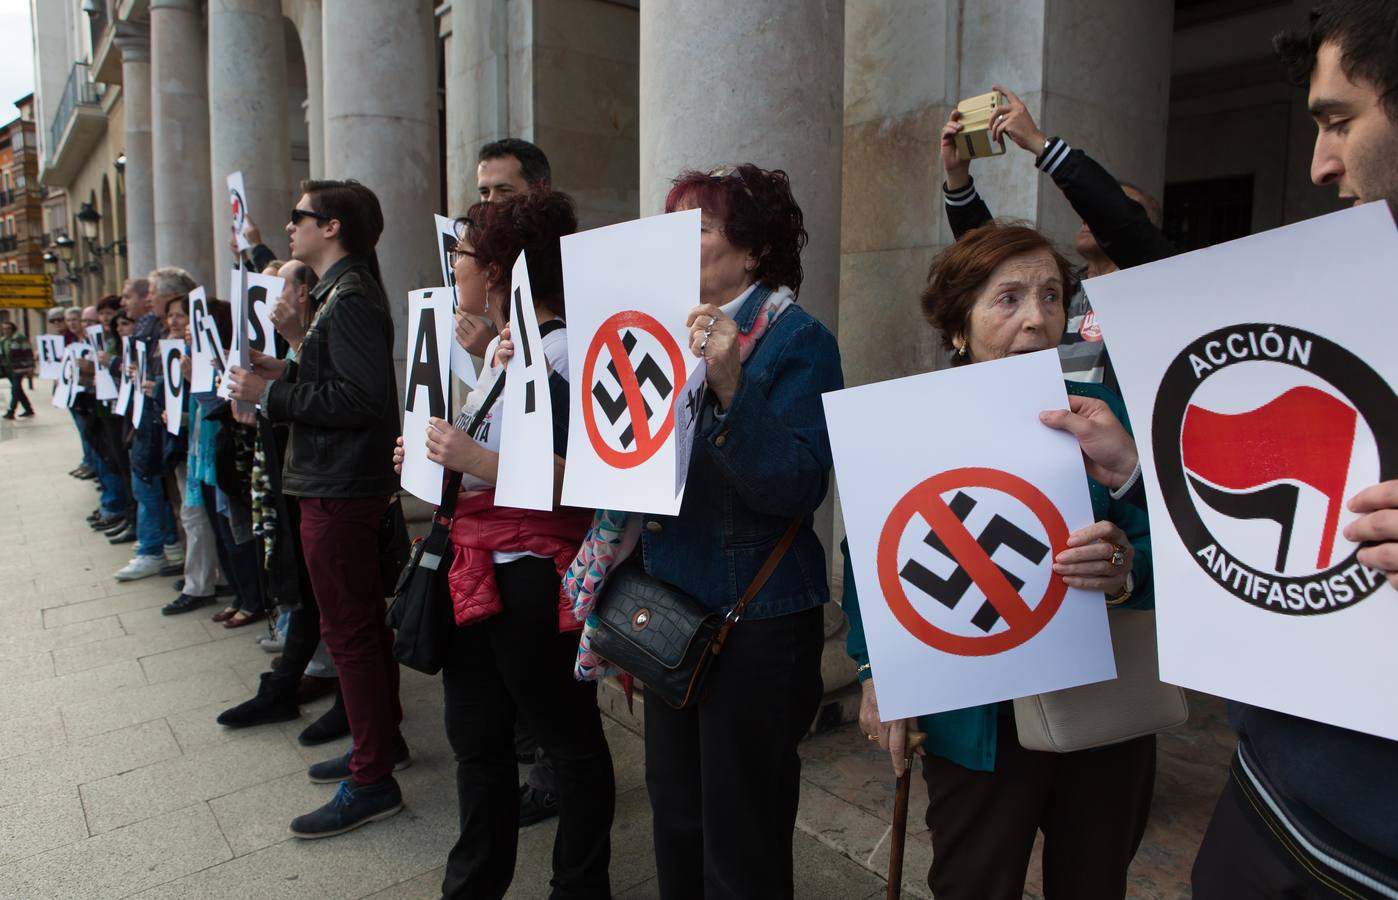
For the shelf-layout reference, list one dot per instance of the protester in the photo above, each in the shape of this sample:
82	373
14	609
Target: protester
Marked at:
340	396
1120	222
511	658
134	305
1002	290
509	167
157	540
104	429
17	364
1308	809
724	776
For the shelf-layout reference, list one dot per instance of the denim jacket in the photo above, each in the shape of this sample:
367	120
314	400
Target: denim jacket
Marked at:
764	462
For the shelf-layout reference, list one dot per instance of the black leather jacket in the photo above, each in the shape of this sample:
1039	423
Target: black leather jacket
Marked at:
341	393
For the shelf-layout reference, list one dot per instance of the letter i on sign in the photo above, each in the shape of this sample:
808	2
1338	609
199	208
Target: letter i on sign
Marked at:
525	476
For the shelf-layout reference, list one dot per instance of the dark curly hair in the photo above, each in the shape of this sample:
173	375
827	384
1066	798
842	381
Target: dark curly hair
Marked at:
758	213
1366	33
958	273
497	233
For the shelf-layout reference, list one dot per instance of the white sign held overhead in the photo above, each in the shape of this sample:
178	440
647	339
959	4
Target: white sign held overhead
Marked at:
1262	403
429	334
953	531
50	348
629	288
171	354
238	208
525	476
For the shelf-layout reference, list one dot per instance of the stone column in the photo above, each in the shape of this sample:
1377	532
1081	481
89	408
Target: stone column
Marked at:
760	82
247	118
381	128
134	43
306	15
180	139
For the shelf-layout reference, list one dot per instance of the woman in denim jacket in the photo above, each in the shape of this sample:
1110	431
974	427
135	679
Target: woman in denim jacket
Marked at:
723	775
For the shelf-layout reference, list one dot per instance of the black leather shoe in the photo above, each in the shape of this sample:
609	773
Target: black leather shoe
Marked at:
127	535
184	603
338	769
118	529
178	586
170	570
275	702
108	524
332	725
535	806
353	805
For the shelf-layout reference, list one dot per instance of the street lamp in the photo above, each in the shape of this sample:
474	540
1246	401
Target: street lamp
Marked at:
50	263
88	219
65	247
120	163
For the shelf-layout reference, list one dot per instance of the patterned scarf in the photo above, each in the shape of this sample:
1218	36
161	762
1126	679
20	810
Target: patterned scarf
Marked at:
614	534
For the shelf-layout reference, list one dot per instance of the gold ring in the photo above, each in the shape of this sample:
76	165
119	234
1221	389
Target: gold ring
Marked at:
872	737
1118	558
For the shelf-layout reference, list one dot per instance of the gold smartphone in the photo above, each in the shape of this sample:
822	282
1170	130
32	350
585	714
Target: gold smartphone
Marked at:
976	114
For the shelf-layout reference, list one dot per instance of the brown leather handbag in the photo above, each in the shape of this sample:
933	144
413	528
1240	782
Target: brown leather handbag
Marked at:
662	636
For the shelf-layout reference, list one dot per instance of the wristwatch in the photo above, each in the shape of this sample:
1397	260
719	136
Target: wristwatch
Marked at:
1125	592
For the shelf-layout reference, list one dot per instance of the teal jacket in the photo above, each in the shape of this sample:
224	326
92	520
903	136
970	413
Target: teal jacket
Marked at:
967	736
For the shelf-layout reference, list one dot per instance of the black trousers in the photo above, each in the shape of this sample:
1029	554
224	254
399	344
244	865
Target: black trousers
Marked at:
1247	855
302	622
516	663
724	777
17	395
238	562
1091	805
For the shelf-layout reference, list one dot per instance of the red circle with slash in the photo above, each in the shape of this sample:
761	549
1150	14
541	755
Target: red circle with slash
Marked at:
609	336
1023	620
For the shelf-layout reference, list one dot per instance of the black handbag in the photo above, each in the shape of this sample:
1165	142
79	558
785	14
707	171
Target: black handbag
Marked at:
421	612
661	635
394	546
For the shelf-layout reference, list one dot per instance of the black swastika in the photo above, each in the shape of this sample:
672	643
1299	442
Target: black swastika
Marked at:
998	533
648	370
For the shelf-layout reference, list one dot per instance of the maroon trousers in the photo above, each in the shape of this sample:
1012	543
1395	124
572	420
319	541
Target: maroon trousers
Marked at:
340	538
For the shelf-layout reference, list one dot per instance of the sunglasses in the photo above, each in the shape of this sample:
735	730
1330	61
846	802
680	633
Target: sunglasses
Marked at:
298	214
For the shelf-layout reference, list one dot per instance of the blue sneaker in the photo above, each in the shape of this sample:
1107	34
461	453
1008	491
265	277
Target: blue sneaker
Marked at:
337	769
353	805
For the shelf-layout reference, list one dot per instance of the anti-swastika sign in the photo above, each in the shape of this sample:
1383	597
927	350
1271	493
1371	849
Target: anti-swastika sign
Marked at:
956	501
634	393
1002	617
1259	413
629	288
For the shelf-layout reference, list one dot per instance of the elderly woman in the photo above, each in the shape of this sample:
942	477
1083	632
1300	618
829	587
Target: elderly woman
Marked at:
999	291
512	654
723	775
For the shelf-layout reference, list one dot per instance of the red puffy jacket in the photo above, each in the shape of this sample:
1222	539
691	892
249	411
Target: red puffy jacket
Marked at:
480	528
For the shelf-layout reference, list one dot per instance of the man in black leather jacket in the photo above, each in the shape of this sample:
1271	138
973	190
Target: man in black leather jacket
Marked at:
341	398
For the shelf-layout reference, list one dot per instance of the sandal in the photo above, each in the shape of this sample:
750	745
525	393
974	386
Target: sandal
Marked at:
240	618
225	614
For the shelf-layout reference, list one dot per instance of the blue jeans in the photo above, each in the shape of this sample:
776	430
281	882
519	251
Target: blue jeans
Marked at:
89	458
155	520
115	497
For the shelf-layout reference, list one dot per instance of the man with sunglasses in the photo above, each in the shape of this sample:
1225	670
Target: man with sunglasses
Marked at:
340	397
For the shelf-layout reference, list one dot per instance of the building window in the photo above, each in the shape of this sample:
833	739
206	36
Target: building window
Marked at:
1203	213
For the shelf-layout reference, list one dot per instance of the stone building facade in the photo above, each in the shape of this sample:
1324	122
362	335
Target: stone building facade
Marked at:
1179	97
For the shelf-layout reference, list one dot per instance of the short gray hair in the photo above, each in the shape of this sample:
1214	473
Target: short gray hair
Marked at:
73	311
170	281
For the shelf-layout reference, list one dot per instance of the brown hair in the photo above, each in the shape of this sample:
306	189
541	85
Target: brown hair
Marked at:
958	273
529	223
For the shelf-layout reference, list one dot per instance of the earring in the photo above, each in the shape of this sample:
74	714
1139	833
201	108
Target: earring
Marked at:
961	351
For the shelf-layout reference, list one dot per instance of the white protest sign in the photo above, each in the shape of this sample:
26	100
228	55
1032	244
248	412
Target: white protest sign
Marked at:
50	356
445	230
138	393
1263	400
687	421
217	358
171	354
262	294
238	207
123	400
201	374
103	383
629	288
524	479
953	522
239	351
68	388
429	333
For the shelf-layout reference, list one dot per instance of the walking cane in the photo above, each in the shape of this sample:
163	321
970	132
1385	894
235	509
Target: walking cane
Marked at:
900	819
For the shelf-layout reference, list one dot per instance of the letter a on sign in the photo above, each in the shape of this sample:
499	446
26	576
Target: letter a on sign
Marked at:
525	476
429	336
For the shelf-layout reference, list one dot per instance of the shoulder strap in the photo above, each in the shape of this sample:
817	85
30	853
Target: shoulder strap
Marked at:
451	481
763	574
551	326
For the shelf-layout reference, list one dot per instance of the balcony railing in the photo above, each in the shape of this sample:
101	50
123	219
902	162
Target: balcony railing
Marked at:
8	243
79	91
6	198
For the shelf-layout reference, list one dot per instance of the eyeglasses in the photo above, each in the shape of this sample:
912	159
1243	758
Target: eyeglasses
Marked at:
298	214
722	172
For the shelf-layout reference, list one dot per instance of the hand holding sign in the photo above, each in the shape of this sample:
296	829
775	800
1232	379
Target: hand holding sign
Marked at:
713	337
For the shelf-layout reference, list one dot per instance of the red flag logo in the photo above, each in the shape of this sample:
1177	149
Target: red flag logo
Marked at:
1304	435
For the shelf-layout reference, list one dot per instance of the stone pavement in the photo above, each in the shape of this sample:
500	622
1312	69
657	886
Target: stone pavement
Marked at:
116	782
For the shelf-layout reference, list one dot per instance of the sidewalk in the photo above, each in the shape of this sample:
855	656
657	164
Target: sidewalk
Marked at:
116	782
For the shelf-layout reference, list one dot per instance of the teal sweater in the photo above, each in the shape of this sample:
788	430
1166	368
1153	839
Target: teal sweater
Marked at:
967	736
